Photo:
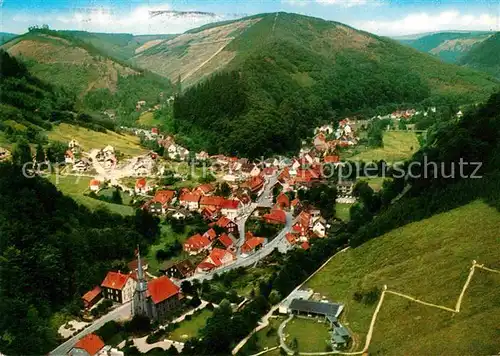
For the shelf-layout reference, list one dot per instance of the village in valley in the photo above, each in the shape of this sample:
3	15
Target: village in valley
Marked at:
226	213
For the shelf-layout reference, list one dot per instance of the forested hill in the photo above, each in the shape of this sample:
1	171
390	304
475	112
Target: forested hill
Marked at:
5	36
448	46
286	73
485	56
98	81
51	252
122	46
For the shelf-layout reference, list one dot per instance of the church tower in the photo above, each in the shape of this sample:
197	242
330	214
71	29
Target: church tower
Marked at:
141	301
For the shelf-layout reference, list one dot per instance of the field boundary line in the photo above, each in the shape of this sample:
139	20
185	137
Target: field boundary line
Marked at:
381	301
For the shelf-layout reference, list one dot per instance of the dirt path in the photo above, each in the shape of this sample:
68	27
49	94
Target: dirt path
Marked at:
377	310
228	40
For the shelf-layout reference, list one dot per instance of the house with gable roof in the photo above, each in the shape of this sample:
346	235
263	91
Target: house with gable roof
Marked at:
118	287
89	345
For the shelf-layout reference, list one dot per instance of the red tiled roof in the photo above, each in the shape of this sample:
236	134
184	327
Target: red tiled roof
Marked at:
94	182
248	235
197	242
190	197
226	240
140	183
255	183
214	201
295	202
91	294
291	238
206	266
268	171
283	200
331	159
210	234
90	343
230	204
305	245
297	227
224	222
164	196
161	289
217	255
115	280
276	215
304	219
251	244
206	188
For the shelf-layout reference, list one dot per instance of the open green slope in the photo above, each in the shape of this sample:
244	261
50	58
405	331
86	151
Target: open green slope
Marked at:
429	260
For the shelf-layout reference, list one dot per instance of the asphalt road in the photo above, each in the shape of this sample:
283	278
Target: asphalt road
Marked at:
122	312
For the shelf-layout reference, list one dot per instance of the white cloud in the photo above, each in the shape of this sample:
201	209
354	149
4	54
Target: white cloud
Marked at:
140	20
425	22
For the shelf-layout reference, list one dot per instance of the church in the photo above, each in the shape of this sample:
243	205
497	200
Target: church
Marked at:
155	299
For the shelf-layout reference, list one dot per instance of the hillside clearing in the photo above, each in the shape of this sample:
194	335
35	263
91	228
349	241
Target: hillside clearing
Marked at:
434	269
397	146
89	139
75	187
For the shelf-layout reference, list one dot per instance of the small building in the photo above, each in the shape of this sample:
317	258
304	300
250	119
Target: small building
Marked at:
231	208
190	201
276	216
178	270
92	297
118	287
197	244
165	297
217	257
141	186
252	244
161	201
89	345
307	307
227	224
94	185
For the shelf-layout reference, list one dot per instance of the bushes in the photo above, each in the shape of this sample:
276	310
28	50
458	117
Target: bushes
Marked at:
368	297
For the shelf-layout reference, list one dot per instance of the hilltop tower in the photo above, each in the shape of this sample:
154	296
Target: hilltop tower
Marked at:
141	301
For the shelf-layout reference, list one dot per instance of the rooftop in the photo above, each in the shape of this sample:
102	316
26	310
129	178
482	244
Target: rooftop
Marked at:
321	308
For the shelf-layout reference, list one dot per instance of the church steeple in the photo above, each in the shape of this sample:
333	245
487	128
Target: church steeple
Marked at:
141	302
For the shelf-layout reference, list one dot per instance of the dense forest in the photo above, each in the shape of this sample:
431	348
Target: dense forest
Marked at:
53	251
485	56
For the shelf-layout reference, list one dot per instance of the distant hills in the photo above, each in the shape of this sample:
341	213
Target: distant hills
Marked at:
485	56
100	81
448	46
5	36
280	74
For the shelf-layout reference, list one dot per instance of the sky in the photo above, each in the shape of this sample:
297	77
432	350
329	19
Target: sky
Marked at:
382	17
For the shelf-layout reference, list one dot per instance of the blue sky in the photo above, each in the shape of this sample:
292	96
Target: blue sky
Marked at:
384	17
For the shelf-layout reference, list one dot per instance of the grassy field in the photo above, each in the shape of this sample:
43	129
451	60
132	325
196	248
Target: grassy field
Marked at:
189	328
126	144
429	260
147	119
75	187
397	146
342	211
311	335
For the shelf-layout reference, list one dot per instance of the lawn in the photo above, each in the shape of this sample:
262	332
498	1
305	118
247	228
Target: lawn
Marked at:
147	119
398	146
342	211
311	335
190	328
264	339
89	139
429	260
75	187
376	182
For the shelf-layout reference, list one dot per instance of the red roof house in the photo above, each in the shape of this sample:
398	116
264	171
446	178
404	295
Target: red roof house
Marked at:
291	238
205	189
161	289
276	216
211	202
305	245
226	224
210	234
331	159
282	201
164	197
190	200
225	240
115	280
252	244
94	184
197	243
90	343
92	297
217	258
